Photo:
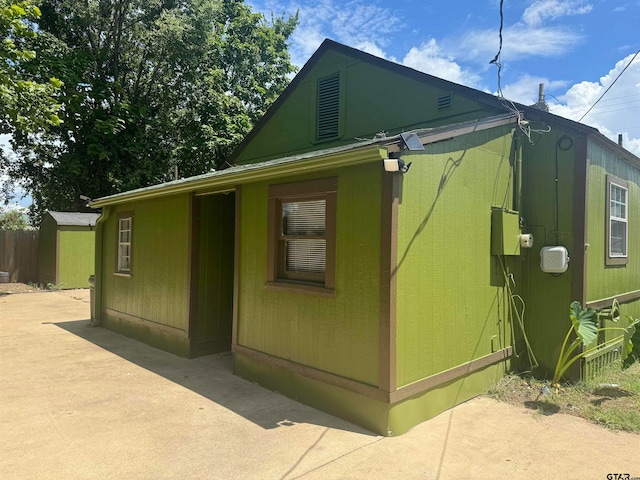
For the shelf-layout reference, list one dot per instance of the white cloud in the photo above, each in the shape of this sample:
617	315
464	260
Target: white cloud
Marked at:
356	23
530	36
542	10
519	41
373	49
429	58
617	112
525	89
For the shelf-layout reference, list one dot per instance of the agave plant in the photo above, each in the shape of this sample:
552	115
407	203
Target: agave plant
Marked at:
584	324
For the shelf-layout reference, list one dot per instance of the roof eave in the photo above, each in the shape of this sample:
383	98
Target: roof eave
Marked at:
227	180
619	150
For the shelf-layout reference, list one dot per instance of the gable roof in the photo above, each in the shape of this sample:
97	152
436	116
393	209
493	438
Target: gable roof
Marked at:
468	92
80	219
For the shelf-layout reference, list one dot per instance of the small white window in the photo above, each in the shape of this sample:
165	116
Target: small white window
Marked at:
124	244
617	221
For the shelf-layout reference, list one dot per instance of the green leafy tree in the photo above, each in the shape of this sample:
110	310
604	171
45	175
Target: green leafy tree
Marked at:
13	220
147	85
27	103
27	100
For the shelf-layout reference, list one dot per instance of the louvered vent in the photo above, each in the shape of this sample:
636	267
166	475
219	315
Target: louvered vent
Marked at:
444	101
328	108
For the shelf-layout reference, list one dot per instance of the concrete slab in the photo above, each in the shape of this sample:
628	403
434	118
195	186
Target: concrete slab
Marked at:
86	403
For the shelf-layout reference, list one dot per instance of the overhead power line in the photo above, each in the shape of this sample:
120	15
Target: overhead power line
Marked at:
496	59
612	84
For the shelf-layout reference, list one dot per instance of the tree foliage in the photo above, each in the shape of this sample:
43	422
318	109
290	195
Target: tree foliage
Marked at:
27	102
13	220
147	85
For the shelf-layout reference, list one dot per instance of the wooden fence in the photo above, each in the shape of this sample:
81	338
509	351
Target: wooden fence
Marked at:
19	255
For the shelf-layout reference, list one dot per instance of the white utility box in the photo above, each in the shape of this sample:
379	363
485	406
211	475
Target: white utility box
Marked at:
554	259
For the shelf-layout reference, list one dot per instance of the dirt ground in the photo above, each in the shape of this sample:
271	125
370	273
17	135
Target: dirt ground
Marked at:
7	288
79	402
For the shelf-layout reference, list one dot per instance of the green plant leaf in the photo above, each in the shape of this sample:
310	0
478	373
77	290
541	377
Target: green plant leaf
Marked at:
585	323
631	343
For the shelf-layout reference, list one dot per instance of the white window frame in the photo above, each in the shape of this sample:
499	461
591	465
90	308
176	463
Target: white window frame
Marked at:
613	185
125	226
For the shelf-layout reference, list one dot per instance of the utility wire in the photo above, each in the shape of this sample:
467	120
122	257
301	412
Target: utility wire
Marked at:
612	84
496	59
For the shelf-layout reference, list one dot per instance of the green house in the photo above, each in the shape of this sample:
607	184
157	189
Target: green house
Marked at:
385	246
66	249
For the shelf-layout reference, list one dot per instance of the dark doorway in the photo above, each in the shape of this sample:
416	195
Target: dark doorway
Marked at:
211	317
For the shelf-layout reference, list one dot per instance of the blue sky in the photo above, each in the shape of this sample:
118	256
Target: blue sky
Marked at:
575	47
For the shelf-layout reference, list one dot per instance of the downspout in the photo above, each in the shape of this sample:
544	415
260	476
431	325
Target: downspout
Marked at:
98	267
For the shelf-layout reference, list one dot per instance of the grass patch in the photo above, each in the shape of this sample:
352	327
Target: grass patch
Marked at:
612	399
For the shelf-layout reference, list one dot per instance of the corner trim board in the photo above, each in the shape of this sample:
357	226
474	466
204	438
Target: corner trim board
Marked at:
236	266
57	274
193	264
388	285
580	183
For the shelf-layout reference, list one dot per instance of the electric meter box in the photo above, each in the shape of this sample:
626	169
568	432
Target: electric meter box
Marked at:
505	232
554	259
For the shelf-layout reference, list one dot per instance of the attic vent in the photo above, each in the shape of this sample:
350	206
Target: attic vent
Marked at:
444	101
328	107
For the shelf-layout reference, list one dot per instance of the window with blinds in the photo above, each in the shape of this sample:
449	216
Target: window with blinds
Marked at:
302	235
303	229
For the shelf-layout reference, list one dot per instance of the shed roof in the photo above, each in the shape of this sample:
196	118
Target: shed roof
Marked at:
305	162
74	218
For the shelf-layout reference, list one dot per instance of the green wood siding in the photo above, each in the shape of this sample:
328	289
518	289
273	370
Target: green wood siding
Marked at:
47	245
158	288
607	281
547	297
77	256
214	264
447	308
374	100
338	334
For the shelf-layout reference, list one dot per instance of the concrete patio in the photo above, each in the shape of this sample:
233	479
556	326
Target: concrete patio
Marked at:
79	402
